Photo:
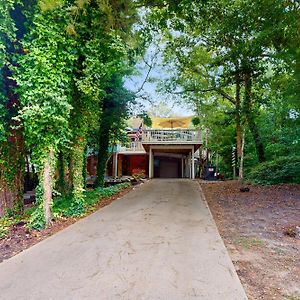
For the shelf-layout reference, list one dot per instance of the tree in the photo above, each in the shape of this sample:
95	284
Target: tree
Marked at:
44	79
221	51
73	49
115	109
11	139
102	31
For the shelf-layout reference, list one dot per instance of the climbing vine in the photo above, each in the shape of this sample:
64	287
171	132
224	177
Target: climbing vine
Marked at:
44	77
101	54
61	69
71	52
11	142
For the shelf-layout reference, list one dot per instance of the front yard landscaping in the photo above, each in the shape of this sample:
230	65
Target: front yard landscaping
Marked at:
16	234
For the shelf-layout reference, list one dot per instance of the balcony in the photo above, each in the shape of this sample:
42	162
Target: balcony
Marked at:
132	147
171	136
162	137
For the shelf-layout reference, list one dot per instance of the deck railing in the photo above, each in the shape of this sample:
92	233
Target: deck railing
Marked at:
163	136
171	136
133	146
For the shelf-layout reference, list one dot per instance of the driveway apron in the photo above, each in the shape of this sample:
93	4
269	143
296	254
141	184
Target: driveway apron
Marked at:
157	242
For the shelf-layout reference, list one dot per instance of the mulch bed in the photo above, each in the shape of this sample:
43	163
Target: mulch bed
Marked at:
258	228
20	237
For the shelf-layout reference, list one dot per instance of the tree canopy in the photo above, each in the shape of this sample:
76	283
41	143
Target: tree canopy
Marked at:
237	63
63	65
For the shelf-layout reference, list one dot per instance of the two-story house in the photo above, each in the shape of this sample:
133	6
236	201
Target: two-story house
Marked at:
167	150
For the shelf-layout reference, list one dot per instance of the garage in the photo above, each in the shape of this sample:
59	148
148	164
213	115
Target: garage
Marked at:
170	162
167	167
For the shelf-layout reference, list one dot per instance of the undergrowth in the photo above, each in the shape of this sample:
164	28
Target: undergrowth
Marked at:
62	207
288	297
5	224
281	170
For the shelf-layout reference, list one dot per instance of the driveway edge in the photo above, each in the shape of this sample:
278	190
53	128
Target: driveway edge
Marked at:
206	204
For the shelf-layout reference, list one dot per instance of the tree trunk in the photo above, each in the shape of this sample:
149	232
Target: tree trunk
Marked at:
250	119
12	168
77	162
84	166
47	185
102	155
206	146
238	115
61	181
241	167
7	197
70	171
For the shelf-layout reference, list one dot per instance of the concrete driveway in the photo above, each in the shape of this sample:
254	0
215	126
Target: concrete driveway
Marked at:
157	242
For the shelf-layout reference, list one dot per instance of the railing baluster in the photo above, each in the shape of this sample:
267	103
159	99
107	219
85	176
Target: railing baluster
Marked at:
171	135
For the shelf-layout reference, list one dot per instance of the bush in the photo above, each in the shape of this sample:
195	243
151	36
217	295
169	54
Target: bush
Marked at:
66	206
37	218
5	223
284	169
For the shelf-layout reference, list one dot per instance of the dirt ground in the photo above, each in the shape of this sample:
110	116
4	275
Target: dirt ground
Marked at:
258	229
20	237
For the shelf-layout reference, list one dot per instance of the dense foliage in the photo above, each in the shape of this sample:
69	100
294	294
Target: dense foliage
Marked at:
63	67
63	64
11	140
280	170
62	208
238	64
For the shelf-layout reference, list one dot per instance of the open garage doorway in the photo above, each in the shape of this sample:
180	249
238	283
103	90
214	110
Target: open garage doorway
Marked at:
171	161
167	167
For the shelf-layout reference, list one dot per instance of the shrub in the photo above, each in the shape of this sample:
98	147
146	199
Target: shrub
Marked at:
285	169
37	218
5	223
67	207
138	173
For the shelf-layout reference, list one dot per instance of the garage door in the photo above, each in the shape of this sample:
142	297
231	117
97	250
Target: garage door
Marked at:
169	168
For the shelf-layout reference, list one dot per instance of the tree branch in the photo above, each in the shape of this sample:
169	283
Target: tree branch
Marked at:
151	66
225	95
212	89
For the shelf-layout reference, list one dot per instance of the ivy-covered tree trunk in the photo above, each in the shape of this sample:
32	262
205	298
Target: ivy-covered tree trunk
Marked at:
11	191
102	154
47	184
250	119
114	109
63	184
6	197
77	162
69	181
12	162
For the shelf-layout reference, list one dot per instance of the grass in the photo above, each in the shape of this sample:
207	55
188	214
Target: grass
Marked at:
279	251
250	242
